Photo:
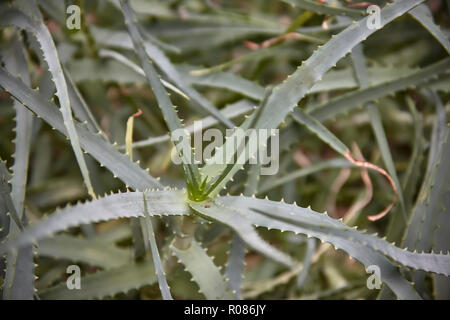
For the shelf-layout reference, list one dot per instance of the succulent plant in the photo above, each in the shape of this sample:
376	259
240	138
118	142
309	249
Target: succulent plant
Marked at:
136	238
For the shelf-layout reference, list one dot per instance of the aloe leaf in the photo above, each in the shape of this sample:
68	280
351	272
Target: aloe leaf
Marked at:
253	177
4	220
239	222
228	159
166	106
389	274
6	195
87	69
154	8
439	263
424	16
307	261
110	70
429	221
38	28
80	108
20	284
286	95
320	130
437	140
119	164
285	217
203	270
122	70
359	65
234	153
221	17
438	133
120	205
377	126
114	235
313	168
233	110
334	293
412	176
123	40
15	61
316	223
188	37
150	234
323	8
19	278
251	56
76	249
439	85
55	9
441	284
127	62
223	80
301	19
236	257
328	137
351	100
345	79
423	219
235	265
105	283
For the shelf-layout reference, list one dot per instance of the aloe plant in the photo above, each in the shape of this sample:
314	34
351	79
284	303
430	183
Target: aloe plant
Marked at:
86	83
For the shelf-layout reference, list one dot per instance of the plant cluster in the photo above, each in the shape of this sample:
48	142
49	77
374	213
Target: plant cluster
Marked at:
357	98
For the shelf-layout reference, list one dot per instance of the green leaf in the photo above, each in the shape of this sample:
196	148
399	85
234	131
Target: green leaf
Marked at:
105	153
233	217
233	110
15	61
325	9
367	249
150	235
424	16
429	223
203	270
165	105
228	158
320	130
19	277
87	69
223	80
130	64
105	283
38	28
313	168
352	100
77	249
253	56
286	95
316	225
235	265
80	108
122	40
307	261
345	78
5	192
236	258
359	65
412	174
120	205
